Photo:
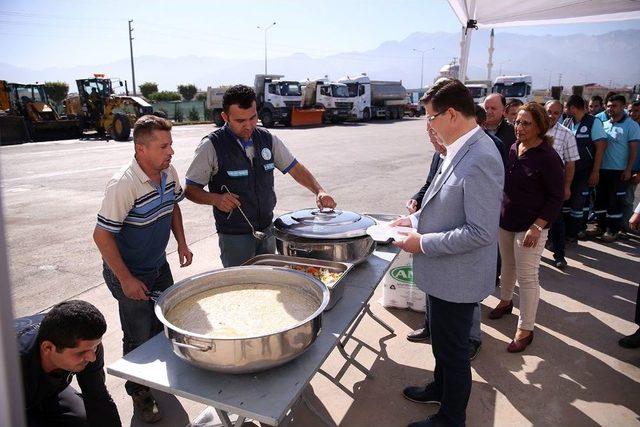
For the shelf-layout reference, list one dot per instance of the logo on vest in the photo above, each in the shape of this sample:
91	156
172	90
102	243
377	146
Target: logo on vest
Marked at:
266	154
583	129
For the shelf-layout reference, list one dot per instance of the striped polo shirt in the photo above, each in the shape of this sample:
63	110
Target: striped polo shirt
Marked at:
138	213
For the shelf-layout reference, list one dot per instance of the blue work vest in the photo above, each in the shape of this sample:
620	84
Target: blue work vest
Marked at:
586	146
252	182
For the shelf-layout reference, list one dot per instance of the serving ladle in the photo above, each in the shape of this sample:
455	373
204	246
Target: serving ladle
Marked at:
257	234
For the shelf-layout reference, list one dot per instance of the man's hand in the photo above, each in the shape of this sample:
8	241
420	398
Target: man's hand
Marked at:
594	178
185	255
134	289
567	193
324	200
635	179
226	202
412	205
634	222
401	222
411	244
626	175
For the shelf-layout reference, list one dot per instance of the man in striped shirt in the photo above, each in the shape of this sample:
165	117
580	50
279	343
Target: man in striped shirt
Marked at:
139	210
564	142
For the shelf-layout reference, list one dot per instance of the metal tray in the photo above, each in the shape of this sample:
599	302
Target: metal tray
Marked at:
336	290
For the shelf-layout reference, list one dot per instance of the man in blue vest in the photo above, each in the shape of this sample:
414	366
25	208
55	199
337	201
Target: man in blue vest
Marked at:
237	162
592	142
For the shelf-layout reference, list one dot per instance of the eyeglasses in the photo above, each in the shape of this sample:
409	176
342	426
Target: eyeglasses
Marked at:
522	123
432	118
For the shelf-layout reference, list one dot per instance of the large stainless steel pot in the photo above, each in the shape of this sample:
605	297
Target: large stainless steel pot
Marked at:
331	235
243	355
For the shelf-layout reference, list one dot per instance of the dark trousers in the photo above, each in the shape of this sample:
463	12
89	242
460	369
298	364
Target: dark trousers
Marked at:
610	195
236	249
450	328
67	410
557	236
137	318
637	319
576	209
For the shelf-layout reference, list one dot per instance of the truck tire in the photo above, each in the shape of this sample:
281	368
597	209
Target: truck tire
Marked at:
266	117
366	115
217	118
121	128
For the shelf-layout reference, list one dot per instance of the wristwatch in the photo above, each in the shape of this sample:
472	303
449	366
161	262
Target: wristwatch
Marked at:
537	226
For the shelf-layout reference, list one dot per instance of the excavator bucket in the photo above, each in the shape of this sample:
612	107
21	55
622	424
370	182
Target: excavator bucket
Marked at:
306	116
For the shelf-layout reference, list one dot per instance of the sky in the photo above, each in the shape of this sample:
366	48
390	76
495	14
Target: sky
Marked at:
55	33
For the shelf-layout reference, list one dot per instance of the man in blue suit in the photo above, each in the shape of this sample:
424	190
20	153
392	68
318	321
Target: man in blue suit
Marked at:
455	245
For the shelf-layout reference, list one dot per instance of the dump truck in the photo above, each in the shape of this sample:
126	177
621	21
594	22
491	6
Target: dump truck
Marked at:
374	98
214	103
332	97
99	108
514	87
276	98
27	115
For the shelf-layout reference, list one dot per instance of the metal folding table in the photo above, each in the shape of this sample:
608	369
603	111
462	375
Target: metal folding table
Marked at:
268	396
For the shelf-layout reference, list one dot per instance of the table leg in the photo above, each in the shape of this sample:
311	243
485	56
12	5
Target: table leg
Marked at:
382	323
226	422
206	419
322	417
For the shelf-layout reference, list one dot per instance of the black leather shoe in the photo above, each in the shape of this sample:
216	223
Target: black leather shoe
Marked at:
419	335
560	263
434	420
630	341
425	394
474	348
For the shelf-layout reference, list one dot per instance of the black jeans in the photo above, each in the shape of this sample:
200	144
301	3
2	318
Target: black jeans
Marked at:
450	329
557	235
610	196
576	217
67	410
137	318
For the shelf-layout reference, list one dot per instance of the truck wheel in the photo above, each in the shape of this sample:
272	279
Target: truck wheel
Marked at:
267	119
217	118
121	128
366	115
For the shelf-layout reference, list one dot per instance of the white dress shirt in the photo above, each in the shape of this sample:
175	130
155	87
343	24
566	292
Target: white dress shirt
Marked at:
452	150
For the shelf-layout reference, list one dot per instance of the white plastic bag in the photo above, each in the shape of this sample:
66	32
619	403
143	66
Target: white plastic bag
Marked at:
399	290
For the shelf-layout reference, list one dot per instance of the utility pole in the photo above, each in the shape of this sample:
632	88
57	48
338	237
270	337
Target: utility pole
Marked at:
422	52
133	72
265	45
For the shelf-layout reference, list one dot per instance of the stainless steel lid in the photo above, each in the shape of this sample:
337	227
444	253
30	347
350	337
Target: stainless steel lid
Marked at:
324	224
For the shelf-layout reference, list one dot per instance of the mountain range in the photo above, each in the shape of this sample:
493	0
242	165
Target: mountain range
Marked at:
609	59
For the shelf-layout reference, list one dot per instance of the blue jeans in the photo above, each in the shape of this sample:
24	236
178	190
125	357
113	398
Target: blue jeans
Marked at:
475	334
236	249
137	318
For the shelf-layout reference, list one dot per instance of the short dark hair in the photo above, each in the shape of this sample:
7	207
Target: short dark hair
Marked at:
450	93
71	321
575	101
513	103
618	98
241	95
481	114
596	98
608	96
145	125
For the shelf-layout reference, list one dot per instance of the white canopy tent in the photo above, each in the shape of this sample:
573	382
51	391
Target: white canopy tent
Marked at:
475	14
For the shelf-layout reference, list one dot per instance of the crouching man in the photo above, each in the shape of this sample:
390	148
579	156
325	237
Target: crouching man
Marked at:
55	347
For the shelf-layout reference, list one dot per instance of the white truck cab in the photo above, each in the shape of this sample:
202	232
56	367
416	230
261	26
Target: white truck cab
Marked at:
514	87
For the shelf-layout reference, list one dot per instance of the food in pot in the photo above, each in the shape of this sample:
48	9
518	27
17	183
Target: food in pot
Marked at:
241	311
324	275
